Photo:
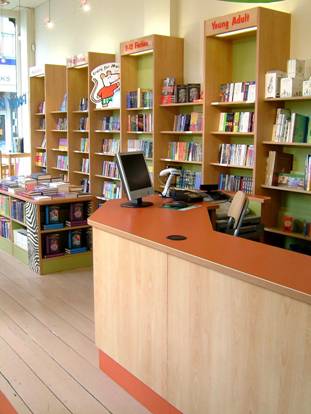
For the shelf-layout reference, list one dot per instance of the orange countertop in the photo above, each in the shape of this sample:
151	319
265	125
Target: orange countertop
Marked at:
270	267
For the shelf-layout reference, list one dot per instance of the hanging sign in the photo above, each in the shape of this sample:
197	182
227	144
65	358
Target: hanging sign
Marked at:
231	22
136	46
106	90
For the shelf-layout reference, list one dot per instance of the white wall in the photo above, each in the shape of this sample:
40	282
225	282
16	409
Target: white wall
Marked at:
191	15
100	30
111	22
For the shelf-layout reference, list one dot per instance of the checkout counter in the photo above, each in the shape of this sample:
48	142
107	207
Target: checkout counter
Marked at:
211	324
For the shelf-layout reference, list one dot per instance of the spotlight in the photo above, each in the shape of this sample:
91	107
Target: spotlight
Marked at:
49	23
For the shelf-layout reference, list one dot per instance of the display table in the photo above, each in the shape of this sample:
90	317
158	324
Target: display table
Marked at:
211	324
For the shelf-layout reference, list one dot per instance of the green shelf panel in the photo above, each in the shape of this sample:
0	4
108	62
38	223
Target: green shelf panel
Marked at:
67	262
244	50
20	254
145	71
6	245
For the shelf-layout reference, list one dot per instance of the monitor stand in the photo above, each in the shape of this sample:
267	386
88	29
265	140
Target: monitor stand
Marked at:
138	203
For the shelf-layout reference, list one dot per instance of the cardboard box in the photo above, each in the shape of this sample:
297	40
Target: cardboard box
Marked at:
295	68
306	88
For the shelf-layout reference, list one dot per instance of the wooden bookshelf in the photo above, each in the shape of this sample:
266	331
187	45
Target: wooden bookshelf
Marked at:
269	31
164	58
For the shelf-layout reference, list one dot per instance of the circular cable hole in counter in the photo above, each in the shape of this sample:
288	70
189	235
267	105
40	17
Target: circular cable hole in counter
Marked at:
176	237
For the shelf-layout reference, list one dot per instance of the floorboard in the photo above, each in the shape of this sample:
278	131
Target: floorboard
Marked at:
48	359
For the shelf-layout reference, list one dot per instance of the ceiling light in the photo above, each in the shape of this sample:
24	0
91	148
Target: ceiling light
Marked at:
4	2
48	21
85	5
237	32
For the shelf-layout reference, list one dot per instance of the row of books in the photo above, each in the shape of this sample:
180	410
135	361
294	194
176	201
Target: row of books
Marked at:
189	179
141	145
62	162
111	146
84	123
41	107
229	182
236	122
173	93
5	227
185	151
40	159
42	123
188	122
63	144
238	92
141	122
241	155
141	98
85	165
290	127
111	123
18	210
57	216
110	169
111	190
237	154
43	141
61	124
307	181
4	205
84	145
74	242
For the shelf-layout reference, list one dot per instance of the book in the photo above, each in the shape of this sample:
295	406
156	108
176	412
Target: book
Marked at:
76	250
182	93
53	245
52	214
53	226
299	128
194	90
76	213
75	239
277	162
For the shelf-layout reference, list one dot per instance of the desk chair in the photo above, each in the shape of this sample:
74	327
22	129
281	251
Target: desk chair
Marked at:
4	168
236	213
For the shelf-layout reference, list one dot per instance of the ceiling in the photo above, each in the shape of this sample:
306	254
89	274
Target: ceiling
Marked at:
24	3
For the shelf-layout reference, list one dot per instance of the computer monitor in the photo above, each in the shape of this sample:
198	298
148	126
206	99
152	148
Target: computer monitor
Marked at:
135	178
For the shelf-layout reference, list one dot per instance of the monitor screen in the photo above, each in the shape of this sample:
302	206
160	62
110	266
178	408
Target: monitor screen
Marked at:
135	178
136	171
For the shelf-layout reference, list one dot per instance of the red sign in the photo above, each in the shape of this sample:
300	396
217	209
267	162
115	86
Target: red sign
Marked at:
136	46
230	23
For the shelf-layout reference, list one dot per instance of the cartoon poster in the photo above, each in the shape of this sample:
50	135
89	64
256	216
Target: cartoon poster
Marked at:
106	90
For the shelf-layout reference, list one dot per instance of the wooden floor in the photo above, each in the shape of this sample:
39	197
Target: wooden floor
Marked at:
48	359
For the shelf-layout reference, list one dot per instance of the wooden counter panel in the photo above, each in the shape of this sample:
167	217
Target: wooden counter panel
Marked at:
152	225
130	290
234	347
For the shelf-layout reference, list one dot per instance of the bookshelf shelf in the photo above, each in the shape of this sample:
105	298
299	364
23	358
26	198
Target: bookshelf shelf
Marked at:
59	150
182	132
281	232
104	154
40	148
139	132
81	172
64	229
288	189
102	131
181	162
217	164
60	131
233	134
233	104
81	131
288	144
107	177
18	222
65	257
81	152
40	130
80	112
181	104
291	98
106	109
147	108
40	114
58	112
59	169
